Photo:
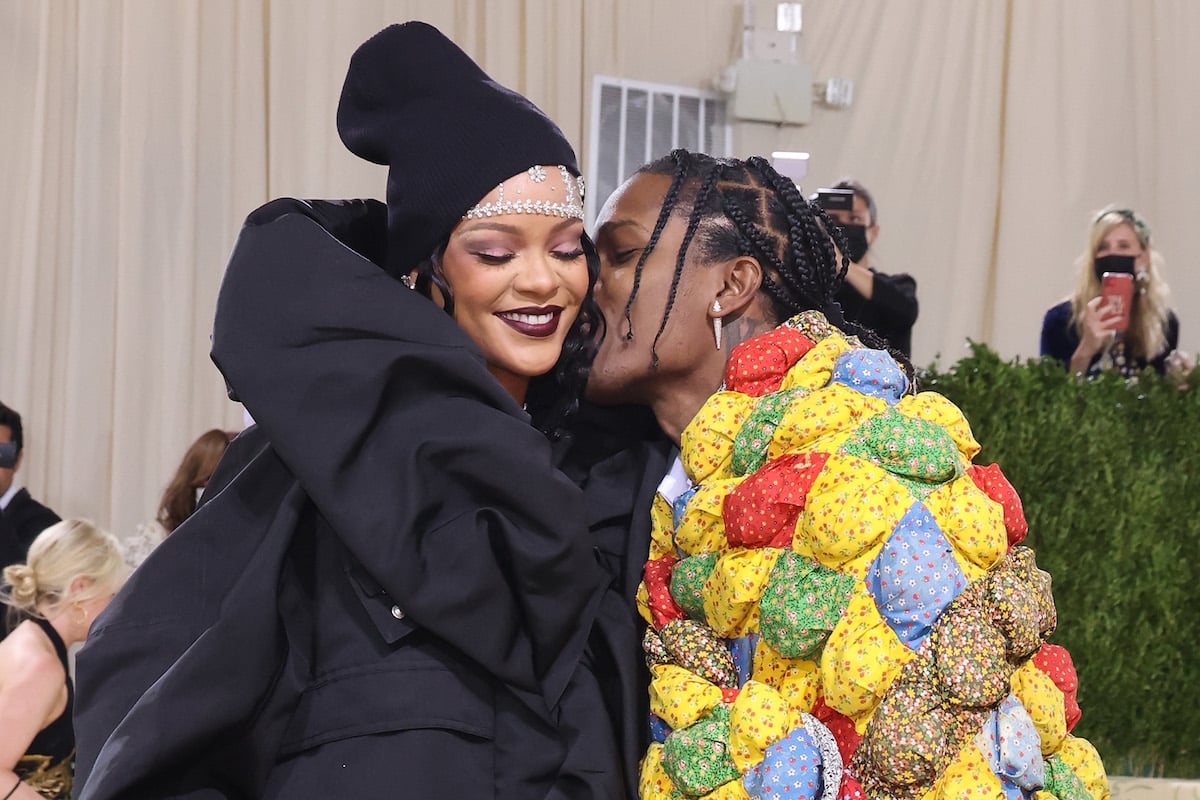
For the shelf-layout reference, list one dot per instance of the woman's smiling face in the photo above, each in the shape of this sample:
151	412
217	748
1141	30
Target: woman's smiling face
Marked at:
518	280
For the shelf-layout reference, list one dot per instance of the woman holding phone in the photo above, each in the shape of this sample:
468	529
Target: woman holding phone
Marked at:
1122	322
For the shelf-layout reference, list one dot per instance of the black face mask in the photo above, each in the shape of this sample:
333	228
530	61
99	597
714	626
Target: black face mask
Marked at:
856	241
1114	263
8	455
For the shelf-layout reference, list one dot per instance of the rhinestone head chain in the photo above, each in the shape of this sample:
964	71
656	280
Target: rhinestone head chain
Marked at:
570	206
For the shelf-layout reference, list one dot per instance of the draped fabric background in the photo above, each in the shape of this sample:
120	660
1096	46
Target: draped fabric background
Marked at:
136	135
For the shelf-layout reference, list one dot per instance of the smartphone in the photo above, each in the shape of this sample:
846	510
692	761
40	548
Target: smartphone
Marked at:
1117	290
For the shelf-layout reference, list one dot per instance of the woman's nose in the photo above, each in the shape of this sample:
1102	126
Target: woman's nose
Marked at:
537	277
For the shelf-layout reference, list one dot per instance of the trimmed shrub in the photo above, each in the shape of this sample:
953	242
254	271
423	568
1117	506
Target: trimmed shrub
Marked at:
1109	474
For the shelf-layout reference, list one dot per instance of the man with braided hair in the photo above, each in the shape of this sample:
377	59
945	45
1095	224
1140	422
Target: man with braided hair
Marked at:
836	601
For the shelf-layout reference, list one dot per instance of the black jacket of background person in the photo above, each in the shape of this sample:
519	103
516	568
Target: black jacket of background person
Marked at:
20	523
388	588
619	456
891	312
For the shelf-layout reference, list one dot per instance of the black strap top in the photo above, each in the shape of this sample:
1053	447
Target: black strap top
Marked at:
47	764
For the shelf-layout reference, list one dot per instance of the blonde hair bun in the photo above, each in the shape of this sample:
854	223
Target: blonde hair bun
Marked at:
60	556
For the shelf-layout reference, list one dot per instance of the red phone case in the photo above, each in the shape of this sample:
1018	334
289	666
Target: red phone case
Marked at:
1117	290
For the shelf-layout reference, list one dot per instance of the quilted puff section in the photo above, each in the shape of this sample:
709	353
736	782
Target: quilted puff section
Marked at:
1021	560
911	740
968	777
1055	661
872	372
1084	761
991	481
973	522
968	658
917	451
679	697
702	525
1044	702
845	735
801	604
706	443
798	680
935	408
750	444
733	589
861	659
1062	781
693	646
791	771
1012	601
851	510
763	509
757	366
1009	740
816	368
662	528
655	592
758	717
914	576
653	781
687	583
697	757
821	420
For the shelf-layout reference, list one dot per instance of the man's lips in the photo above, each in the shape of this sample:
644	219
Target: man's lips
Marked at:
536	322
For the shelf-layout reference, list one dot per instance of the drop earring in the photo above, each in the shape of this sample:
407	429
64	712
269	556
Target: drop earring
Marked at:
717	323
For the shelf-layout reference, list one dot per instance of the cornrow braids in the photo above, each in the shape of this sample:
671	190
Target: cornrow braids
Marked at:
681	158
746	208
766	246
811	236
706	186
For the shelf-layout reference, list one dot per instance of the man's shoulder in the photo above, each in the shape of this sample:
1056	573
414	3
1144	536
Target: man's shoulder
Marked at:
28	515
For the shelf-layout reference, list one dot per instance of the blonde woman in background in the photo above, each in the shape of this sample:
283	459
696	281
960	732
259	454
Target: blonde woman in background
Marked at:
1082	331
72	571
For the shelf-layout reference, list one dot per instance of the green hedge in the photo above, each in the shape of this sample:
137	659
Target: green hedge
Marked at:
1109	474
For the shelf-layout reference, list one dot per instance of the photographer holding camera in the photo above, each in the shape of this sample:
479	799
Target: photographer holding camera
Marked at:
887	304
21	517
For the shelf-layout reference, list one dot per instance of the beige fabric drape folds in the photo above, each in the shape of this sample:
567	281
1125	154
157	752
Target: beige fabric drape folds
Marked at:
136	134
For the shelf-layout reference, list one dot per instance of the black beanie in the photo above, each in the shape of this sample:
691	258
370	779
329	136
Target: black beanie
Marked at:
447	132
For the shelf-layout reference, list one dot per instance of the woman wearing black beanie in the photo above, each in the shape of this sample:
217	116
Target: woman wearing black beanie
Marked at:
388	589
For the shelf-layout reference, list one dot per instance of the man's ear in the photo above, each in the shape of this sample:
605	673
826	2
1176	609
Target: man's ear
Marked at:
743	279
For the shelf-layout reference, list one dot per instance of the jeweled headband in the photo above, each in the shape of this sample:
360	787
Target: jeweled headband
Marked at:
571	205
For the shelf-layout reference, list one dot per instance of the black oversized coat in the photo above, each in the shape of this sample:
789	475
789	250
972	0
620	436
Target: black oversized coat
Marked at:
388	588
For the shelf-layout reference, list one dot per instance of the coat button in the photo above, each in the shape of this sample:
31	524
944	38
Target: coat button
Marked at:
397	613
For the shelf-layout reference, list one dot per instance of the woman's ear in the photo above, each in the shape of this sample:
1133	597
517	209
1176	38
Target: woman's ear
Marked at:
79	584
743	279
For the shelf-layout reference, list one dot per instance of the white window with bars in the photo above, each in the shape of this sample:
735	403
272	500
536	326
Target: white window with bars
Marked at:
634	122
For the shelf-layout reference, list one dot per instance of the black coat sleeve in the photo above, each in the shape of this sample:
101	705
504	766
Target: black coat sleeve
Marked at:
178	687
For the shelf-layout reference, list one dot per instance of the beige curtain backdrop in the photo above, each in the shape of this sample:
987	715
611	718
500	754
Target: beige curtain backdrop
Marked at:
136	135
